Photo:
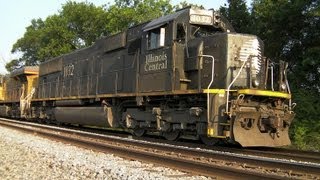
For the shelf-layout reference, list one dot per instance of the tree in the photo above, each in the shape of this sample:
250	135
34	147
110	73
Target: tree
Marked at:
29	45
184	4
77	25
55	38
86	21
290	30
306	127
13	65
127	13
239	16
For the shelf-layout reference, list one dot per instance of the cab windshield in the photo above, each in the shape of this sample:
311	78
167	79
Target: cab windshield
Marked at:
204	31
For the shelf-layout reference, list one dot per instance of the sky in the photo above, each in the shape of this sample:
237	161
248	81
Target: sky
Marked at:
16	15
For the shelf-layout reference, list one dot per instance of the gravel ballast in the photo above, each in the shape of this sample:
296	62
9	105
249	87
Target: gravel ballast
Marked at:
26	156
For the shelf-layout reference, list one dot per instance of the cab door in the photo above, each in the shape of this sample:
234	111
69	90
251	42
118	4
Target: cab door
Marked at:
156	72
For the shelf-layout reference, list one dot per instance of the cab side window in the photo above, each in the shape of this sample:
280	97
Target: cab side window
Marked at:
156	38
181	33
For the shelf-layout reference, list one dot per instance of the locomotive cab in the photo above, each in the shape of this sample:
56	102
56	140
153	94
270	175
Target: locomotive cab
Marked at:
246	94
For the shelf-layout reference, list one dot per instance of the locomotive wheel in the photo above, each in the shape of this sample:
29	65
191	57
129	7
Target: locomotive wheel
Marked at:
209	141
139	132
29	116
172	135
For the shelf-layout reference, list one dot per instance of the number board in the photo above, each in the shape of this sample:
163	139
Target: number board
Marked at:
204	17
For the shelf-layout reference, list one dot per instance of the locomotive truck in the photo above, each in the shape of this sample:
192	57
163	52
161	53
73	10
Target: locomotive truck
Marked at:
183	75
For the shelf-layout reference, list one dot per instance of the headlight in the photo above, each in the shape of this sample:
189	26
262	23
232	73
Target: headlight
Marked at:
255	83
283	86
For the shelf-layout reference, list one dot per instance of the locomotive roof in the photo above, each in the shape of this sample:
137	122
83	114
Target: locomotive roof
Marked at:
25	70
217	19
163	20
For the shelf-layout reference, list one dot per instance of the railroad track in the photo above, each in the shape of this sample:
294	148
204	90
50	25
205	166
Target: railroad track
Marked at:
290	154
192	160
277	153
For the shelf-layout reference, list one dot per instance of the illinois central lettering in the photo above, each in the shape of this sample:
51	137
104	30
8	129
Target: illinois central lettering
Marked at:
156	62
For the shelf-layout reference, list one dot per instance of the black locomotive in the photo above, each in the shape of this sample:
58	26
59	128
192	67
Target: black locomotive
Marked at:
187	74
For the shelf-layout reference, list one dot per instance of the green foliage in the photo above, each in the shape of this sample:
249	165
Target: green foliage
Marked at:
184	4
238	14
290	30
86	21
13	65
55	39
127	13
305	131
285	26
29	44
77	25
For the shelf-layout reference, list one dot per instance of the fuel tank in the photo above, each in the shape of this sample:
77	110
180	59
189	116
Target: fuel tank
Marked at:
90	116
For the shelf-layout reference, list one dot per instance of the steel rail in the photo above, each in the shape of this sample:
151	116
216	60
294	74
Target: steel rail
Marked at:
289	154
269	152
111	144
